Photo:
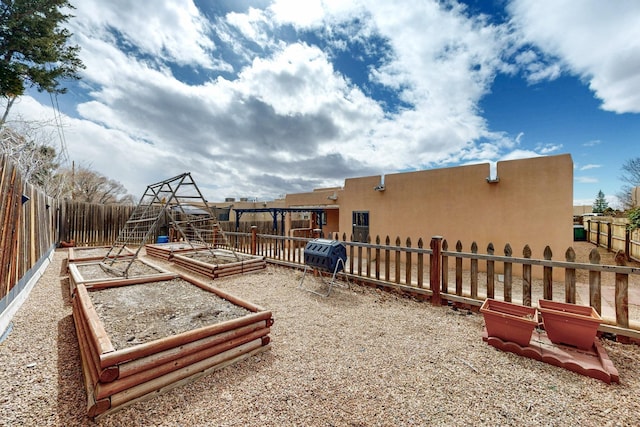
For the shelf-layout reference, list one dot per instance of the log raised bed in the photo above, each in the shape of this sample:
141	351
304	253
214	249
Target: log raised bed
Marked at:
120	370
90	274
166	250
223	264
94	253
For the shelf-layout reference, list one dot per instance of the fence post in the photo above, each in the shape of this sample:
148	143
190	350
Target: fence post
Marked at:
435	264
254	239
491	285
547	275
408	264
420	263
445	268
458	269
526	278
627	244
595	295
622	293
508	271
474	271
570	277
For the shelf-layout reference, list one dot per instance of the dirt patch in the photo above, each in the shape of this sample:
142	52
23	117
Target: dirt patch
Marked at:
140	313
213	258
93	271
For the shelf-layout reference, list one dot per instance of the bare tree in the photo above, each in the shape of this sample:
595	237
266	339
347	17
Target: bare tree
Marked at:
37	160
86	185
631	176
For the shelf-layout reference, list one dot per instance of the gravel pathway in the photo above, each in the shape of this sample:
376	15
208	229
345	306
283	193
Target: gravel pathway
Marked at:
360	357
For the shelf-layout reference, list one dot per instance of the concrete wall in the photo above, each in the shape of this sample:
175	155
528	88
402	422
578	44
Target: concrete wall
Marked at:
532	203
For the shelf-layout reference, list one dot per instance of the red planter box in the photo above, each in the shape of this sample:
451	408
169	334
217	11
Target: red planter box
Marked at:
508	321
570	324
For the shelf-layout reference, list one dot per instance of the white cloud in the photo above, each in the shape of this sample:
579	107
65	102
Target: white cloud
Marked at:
173	30
548	148
595	40
284	118
590	166
585	180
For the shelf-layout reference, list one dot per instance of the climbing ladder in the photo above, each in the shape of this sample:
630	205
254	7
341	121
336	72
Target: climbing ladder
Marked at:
177	203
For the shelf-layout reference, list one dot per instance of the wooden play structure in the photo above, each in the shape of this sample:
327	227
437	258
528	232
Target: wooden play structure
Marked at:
173	207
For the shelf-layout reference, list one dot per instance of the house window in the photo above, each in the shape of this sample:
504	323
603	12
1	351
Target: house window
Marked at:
361	218
360	226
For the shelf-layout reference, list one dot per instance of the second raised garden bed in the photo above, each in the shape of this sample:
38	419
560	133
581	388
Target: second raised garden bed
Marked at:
219	263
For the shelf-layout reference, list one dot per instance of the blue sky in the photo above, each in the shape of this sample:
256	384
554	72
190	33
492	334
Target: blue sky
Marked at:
262	98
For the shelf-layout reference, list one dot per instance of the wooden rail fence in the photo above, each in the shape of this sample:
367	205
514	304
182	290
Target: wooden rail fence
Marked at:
32	224
437	273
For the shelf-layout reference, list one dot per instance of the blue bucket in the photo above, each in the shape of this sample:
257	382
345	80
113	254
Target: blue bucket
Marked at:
163	239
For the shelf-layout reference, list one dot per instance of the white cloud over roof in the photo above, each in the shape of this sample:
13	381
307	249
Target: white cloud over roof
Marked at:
255	102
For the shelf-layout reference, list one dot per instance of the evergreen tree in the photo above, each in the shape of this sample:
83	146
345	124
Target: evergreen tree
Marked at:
33	48
600	205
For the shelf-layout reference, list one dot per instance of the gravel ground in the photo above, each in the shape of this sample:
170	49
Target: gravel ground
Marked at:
360	357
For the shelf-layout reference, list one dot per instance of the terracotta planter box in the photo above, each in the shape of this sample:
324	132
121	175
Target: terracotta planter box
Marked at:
508	321
570	324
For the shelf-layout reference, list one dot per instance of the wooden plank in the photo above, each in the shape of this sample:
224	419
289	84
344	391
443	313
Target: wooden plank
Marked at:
570	278
157	383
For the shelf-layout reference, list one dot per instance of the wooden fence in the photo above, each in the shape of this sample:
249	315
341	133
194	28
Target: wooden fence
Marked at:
613	234
32	224
436	272
89	224
28	234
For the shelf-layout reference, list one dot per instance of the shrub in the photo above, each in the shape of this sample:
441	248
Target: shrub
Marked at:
634	219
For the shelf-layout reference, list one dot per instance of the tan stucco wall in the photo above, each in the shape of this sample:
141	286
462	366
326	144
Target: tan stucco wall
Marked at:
323	197
532	203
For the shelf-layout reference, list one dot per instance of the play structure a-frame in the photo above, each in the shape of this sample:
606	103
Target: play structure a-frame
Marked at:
176	204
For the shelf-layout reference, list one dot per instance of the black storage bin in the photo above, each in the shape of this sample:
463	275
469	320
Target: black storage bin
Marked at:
324	254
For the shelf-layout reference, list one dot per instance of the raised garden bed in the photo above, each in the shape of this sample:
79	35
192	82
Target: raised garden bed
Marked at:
166	250
221	263
139	340
94	253
91	273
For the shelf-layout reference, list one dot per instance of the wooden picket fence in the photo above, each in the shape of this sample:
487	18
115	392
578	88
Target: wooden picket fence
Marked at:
447	276
33	224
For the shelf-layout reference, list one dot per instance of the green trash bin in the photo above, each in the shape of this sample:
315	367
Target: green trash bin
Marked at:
579	233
